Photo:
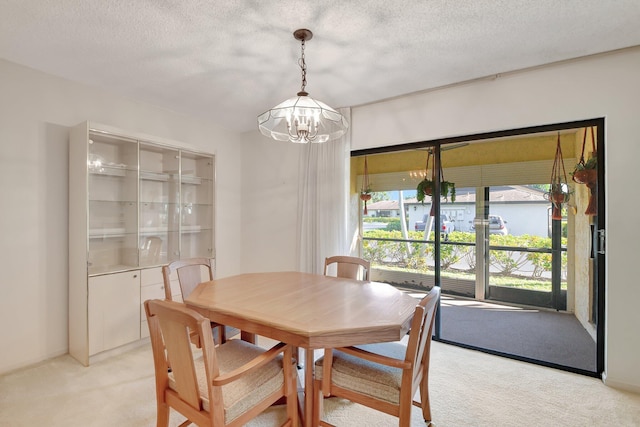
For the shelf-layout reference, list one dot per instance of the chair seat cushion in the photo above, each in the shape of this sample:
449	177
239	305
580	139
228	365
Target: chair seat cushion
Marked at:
365	377
244	393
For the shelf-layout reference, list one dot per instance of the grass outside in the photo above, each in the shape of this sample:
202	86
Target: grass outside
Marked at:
511	281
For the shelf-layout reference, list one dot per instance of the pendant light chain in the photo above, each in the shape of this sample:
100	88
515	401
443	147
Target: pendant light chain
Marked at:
303	68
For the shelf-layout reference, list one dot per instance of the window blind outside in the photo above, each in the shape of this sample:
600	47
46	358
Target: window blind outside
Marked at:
520	173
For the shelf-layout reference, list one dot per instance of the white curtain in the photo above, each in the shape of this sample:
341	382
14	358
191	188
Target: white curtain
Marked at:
323	193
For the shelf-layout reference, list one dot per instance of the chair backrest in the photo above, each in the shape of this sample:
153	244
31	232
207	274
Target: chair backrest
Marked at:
191	272
170	326
419	345
349	267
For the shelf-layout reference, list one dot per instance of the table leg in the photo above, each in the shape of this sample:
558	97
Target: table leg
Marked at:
248	337
308	386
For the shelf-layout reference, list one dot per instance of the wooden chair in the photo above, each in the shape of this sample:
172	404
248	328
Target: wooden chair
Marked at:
226	385
349	267
191	272
382	376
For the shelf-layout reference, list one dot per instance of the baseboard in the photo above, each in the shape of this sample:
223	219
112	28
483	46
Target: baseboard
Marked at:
119	350
30	363
634	388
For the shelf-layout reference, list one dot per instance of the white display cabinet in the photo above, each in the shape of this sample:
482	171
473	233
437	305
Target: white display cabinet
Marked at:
196	188
112	187
159	238
135	204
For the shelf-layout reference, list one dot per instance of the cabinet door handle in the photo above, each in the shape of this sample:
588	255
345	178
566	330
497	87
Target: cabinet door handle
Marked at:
135	276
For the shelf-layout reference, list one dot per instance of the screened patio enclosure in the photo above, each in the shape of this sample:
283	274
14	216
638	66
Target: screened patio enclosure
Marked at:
500	242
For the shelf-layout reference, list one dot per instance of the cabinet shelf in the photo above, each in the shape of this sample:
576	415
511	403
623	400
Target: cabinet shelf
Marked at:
156	176
162	204
109	170
155	231
193	180
98	233
117	202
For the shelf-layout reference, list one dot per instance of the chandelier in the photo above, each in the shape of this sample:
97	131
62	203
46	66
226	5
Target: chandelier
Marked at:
302	119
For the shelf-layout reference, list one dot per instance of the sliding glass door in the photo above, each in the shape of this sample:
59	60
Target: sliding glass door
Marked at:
515	281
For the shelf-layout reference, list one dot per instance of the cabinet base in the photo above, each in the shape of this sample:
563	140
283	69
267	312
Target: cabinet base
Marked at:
117	351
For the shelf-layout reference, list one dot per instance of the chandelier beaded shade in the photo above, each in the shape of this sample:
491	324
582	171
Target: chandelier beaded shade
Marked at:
301	118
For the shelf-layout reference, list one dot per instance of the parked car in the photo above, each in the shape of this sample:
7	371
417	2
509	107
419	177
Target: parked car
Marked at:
496	225
446	225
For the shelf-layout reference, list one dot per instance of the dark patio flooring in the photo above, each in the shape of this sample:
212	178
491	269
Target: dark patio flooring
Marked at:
550	337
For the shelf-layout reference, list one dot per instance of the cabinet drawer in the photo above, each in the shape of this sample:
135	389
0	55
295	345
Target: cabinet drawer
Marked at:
151	276
150	292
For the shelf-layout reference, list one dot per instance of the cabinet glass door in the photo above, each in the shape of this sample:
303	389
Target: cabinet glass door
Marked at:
159	205
112	165
196	224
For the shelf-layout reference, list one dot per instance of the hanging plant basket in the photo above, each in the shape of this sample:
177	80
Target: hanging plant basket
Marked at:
585	176
426	186
558	195
586	172
559	192
365	192
365	196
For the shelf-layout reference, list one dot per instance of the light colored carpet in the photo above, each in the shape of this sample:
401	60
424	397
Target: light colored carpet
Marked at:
468	388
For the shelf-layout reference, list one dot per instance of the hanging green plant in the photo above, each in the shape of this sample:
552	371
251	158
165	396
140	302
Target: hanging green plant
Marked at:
448	190
425	187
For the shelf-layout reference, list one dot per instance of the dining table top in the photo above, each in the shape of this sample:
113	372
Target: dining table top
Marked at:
306	310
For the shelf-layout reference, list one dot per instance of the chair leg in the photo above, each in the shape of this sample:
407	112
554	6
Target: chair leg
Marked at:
162	415
404	417
424	399
292	398
318	403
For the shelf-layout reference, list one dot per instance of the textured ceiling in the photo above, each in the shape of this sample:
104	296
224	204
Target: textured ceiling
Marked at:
228	61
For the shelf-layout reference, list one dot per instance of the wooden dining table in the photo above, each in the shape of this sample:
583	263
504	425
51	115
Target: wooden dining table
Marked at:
306	310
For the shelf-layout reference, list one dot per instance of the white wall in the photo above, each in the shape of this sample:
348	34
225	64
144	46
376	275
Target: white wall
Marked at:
36	112
604	86
269	203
